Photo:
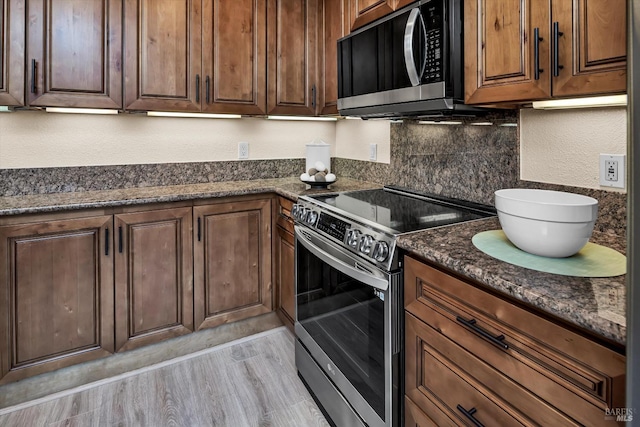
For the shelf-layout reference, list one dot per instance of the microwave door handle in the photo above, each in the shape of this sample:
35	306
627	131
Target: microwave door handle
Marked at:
351	271
412	70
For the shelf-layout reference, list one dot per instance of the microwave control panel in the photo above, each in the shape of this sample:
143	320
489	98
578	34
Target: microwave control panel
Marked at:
433	17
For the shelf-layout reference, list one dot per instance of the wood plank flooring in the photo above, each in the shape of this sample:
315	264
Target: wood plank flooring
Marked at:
249	383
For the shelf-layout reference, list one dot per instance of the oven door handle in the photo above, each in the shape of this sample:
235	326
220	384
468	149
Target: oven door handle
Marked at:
357	271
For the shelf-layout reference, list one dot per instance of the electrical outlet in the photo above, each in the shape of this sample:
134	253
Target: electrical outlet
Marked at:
373	152
612	170
243	150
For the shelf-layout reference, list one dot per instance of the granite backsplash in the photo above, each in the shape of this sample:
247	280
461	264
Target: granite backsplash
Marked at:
468	162
463	161
20	182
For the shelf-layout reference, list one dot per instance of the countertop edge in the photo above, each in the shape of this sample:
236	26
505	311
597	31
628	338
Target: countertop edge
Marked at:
571	313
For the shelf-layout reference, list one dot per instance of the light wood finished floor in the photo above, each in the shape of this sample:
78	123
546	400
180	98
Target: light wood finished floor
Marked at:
251	382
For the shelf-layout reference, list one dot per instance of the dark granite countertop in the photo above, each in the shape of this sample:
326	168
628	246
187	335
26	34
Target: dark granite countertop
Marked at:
287	187
595	304
598	305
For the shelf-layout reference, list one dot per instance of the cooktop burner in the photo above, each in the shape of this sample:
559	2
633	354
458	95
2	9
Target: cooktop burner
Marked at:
403	212
368	222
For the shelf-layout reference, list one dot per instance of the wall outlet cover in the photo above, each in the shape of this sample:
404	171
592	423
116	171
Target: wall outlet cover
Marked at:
243	150
373	152
612	170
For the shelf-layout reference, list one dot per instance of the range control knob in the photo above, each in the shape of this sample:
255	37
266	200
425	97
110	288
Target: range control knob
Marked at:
381	251
366	244
312	217
295	211
353	238
304	212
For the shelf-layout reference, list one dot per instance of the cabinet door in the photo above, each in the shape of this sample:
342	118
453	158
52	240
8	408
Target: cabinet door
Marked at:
285	276
154	276
334	26
292	39
56	295
592	47
12	19
235	56
232	261
500	50
74	53
364	11
163	55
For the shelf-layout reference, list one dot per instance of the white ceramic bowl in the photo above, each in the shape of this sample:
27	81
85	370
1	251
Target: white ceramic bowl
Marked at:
546	223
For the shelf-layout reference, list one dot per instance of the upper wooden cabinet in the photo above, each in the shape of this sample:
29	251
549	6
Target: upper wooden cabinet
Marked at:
524	50
292	60
196	55
592	49
362	12
163	55
12	23
334	26
234	56
74	55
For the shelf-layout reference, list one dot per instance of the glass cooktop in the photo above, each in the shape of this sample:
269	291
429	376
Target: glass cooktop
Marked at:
403	211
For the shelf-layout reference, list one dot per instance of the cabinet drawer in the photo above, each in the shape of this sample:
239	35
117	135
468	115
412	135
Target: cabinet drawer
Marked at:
442	377
284	218
567	370
415	417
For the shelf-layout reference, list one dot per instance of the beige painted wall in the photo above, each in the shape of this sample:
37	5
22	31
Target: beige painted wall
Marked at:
559	147
354	136
564	146
39	139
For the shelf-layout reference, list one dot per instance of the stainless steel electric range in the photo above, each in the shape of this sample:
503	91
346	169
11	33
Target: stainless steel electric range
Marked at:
349	316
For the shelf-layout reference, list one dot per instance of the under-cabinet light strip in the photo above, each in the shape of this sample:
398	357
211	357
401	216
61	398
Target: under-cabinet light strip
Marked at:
80	110
442	122
193	115
303	118
596	101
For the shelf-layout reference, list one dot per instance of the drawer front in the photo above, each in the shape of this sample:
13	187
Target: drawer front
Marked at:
415	417
516	342
284	218
442	377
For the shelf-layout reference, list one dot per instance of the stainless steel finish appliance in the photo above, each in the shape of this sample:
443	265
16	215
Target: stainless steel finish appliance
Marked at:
407	64
349	313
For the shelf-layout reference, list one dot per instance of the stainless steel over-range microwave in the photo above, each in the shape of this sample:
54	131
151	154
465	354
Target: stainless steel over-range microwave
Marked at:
410	63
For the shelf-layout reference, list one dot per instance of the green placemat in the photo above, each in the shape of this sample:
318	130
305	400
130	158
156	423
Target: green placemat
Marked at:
592	260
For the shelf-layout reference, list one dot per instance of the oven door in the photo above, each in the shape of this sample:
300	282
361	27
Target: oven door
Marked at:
347	318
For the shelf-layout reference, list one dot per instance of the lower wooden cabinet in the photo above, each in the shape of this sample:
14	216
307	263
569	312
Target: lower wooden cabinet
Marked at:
284	263
470	353
232	261
154	276
56	294
79	286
